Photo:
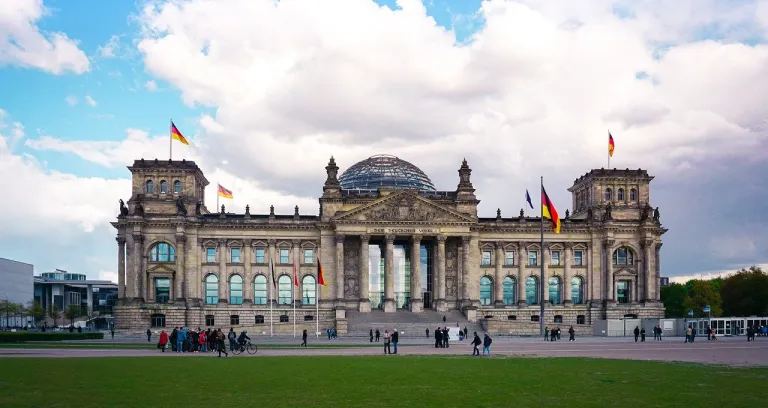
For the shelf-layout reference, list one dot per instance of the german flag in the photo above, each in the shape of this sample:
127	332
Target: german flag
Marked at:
320	277
223	192
548	211
611	145
176	134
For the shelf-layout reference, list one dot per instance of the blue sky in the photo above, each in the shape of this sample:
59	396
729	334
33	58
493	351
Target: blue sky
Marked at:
678	84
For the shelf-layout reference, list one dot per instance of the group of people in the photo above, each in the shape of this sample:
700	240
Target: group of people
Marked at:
553	334
486	342
189	340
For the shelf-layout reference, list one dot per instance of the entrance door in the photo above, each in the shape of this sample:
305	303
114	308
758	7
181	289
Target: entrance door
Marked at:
427	298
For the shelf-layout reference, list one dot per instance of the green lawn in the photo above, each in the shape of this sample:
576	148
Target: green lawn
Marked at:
385	381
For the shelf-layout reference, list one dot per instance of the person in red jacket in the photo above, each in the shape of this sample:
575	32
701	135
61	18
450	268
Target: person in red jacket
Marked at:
163	340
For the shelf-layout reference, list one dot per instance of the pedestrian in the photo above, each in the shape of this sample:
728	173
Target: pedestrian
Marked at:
571	334
370	334
475	343
304	338
642	335
487	344
377	334
112	331
221	347
637	333
427	332
387	348
395	339
438	338
163	340
149	335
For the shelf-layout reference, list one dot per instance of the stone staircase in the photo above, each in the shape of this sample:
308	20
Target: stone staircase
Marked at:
409	323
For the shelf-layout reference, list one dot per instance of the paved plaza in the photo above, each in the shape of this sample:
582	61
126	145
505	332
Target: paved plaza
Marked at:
728	351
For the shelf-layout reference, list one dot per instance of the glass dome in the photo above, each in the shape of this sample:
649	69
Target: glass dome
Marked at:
384	171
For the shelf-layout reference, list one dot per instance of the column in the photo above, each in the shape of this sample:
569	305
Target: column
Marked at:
120	267
340	267
389	275
271	284
465	276
417	304
223	281
138	254
440	287
545	257
365	302
610	285
656	269
295	253
248	278
567	274
130	260
522	260
498	279
180	278
648	246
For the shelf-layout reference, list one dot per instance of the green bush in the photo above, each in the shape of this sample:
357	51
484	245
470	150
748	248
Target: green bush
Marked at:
20	337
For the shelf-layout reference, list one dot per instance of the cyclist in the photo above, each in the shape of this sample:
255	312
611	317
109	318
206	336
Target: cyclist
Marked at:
241	339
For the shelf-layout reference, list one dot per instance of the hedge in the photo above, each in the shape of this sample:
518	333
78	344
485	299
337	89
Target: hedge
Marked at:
20	337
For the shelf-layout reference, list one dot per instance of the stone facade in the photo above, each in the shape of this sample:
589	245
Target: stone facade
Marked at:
181	265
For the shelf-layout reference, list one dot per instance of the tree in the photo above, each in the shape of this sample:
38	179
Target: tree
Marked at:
54	313
745	293
673	297
702	293
5	309
36	311
72	312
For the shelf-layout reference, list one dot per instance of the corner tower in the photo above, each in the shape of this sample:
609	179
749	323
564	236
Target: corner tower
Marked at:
162	186
625	194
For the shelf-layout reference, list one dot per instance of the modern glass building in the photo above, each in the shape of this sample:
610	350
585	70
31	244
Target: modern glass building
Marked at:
15	287
385	171
62	289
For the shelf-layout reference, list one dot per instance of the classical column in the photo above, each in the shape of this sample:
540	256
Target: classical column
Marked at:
649	272
567	274
271	284
297	262
610	285
440	289
248	278
521	264
465	240
138	271
223	281
389	275
365	302
180	278
656	269
120	267
340	267
498	279
130	267
417	303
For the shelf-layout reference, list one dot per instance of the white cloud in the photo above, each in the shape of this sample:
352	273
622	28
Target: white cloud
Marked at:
23	44
110	48
707	275
71	100
151	86
90	101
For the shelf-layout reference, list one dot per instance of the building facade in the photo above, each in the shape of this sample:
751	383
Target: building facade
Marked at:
17	281
63	289
386	239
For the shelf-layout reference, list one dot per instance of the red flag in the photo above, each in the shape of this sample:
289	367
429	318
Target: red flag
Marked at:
320	278
295	275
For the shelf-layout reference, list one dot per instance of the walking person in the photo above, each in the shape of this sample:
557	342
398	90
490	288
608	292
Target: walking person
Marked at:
163	341
220	346
112	331
438	338
370	334
304	338
377	334
395	339
475	343
688	333
149	335
571	334
637	333
387	348
642	335
487	344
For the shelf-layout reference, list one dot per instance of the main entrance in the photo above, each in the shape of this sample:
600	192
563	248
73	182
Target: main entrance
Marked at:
401	274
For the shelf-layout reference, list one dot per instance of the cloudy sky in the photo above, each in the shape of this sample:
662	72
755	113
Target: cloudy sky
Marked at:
267	91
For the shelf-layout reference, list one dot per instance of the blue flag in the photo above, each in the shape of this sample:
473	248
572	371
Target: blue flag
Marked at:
528	198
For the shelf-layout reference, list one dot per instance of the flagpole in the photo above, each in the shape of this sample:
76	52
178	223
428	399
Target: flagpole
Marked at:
317	309
295	280
217	197
541	261
272	276
170	139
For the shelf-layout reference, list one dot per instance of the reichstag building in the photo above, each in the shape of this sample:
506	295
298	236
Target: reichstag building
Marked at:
388	242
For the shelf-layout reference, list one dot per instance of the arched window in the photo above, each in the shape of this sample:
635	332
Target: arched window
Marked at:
163	187
633	195
308	289
608	194
486	290
531	290
211	289
623	256
162	252
509	287
620	194
577	290
284	290
555	290
260	290
150	187
236	290
177	187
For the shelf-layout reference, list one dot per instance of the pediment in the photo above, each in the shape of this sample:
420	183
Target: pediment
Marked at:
625	272
160	269
404	206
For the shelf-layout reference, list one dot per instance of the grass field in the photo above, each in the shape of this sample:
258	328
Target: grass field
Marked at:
370	382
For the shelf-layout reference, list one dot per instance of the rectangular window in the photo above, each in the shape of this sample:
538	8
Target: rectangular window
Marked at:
509	258
157	320
234	320
578	258
622	291
486	258
309	256
284	258
259	319
162	290
210	255
555	258
260	256
533	257
210	321
234	255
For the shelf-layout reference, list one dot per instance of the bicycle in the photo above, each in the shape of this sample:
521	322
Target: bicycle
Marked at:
247	347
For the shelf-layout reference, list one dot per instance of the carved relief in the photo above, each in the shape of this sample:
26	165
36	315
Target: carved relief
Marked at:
352	259
406	207
451	269
351	288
